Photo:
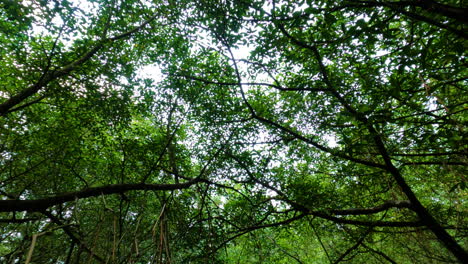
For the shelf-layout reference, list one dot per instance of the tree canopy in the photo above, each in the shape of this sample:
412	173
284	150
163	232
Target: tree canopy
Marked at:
243	131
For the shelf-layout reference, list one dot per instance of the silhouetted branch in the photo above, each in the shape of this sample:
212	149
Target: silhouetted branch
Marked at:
40	205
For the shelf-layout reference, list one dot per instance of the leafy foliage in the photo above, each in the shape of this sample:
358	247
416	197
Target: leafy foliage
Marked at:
233	131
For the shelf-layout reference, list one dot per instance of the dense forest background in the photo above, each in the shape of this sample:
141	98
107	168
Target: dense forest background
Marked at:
244	131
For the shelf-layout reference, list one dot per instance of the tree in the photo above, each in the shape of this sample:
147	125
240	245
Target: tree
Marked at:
138	132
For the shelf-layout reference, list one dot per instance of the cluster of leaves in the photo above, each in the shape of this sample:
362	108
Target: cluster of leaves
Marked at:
233	131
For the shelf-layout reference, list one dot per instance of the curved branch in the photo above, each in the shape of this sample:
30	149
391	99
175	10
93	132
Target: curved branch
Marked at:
256	227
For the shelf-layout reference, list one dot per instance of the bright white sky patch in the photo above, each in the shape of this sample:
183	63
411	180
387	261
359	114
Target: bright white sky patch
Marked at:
151	71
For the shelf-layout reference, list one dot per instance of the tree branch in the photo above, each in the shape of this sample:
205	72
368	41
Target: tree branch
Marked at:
373	210
40	205
277	87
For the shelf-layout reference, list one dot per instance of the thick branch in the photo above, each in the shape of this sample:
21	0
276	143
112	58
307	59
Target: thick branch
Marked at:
40	205
373	210
341	220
